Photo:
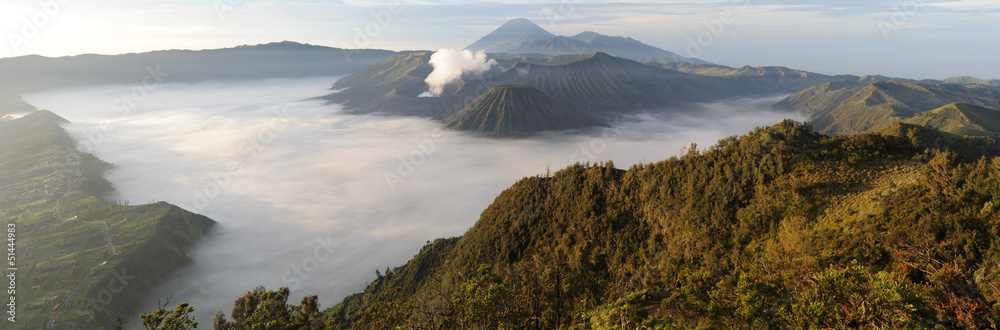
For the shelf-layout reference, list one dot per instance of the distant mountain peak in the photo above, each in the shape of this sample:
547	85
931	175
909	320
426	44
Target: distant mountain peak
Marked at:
510	34
521	23
521	36
587	36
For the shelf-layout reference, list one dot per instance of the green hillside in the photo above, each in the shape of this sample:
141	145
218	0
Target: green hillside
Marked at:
512	110
849	108
973	80
81	260
779	228
960	118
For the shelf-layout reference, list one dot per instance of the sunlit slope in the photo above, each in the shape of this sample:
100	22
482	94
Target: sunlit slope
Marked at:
960	118
781	227
81	261
846	107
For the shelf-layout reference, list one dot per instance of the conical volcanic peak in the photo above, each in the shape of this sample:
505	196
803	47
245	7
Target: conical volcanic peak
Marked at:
514	110
509	35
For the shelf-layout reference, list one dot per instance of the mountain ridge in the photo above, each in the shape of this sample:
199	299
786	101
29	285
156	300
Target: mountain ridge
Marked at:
72	246
960	118
510	34
854	107
287	59
523	36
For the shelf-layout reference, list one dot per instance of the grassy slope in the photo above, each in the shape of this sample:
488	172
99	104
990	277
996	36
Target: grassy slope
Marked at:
849	108
960	118
47	189
781	227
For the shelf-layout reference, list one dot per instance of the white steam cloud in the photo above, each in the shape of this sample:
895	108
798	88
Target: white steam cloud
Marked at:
451	64
310	207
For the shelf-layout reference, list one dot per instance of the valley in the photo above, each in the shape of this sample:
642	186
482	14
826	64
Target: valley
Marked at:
338	193
550	175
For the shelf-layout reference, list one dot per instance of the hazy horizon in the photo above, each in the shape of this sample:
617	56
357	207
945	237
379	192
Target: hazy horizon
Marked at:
909	39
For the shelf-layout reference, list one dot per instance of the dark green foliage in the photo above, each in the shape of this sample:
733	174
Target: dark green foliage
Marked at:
264	309
782	227
179	318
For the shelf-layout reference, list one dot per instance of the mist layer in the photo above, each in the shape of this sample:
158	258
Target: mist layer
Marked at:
316	200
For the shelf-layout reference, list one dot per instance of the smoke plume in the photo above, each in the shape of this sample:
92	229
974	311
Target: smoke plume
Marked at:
451	64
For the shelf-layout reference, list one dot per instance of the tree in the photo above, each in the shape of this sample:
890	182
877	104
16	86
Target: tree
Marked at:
179	318
307	312
481	301
263	309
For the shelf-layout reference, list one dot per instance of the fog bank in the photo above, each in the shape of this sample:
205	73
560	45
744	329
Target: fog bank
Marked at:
317	200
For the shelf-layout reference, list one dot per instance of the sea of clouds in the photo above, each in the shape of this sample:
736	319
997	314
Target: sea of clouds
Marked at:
309	197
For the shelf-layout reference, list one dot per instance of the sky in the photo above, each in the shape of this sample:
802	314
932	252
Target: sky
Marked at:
909	38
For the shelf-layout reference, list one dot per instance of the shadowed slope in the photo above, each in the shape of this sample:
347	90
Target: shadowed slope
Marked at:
516	110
